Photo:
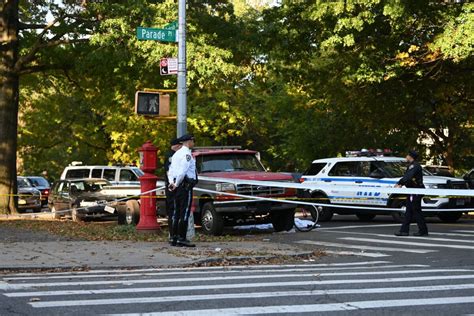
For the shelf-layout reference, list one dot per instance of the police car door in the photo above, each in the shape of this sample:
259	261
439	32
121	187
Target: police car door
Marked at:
369	177
343	173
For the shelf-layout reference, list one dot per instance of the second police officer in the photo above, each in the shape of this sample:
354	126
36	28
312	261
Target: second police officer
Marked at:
182	176
413	178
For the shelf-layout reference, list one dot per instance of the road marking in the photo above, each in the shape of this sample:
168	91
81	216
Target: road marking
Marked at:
337	245
224	278
54	277
315	308
464	231
450	234
211	297
360	253
410	243
405	237
191	269
358	226
237	286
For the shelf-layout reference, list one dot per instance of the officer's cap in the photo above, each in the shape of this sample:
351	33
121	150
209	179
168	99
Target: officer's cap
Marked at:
174	141
185	138
413	154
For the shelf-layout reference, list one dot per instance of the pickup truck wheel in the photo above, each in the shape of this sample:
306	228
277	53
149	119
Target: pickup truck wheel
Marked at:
121	215
365	217
132	212
56	215
450	217
283	220
212	222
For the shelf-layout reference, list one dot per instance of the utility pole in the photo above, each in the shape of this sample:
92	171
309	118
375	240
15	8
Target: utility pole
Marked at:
182	108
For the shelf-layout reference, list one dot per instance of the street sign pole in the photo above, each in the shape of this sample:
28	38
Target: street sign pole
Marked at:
181	121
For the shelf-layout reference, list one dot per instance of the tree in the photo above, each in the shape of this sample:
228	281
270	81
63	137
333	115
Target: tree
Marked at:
30	44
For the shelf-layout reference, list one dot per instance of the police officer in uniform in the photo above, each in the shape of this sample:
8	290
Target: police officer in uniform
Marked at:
183	177
175	146
413	178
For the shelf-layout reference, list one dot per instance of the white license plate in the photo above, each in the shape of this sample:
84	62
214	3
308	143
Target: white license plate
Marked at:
460	202
22	202
109	209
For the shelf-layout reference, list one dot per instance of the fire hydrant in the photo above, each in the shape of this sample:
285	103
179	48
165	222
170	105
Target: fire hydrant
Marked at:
148	220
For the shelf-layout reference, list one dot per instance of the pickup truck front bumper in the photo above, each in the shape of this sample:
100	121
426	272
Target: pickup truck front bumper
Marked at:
253	207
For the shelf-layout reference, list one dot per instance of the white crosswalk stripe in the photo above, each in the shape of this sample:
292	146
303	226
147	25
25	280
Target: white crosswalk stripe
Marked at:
408	243
362	247
311	288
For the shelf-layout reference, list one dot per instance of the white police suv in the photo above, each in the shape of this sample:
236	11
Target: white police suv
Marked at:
362	170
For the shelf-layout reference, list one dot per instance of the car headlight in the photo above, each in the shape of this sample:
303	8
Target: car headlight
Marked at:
225	187
431	186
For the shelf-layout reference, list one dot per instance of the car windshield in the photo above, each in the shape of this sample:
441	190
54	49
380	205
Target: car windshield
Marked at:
228	163
138	172
23	183
395	169
88	186
39	182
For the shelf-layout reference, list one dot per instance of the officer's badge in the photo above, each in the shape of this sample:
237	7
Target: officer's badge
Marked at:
411	167
188	157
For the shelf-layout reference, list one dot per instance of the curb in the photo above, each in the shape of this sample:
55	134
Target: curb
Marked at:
213	261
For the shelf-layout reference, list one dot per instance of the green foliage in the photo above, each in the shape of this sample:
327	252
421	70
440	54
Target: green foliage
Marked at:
299	81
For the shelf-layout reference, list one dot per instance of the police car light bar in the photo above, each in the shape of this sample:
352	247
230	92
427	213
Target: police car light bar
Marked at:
369	153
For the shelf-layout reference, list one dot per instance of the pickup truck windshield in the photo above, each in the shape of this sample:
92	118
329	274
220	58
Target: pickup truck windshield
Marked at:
87	186
228	163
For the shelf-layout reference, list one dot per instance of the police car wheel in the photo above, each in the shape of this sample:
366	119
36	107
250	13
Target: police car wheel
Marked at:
212	222
365	217
450	217
398	217
325	212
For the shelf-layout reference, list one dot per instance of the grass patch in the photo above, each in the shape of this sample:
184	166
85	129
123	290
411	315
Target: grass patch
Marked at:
110	231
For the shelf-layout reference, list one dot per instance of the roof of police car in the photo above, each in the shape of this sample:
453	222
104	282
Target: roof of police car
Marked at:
365	158
198	152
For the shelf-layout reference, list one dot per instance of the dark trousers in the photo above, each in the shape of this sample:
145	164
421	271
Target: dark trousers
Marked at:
413	212
182	209
169	208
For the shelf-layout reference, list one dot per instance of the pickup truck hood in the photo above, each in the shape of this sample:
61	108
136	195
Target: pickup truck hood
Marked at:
251	175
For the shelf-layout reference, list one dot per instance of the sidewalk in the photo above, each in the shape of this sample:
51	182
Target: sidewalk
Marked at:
28	250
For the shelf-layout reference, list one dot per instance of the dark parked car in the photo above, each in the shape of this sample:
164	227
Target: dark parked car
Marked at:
80	198
43	186
29	198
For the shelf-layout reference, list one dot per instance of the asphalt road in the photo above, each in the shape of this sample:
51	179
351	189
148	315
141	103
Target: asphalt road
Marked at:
368	272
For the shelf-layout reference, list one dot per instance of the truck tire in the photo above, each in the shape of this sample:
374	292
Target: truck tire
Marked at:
283	220
450	217
364	217
212	222
121	215
132	212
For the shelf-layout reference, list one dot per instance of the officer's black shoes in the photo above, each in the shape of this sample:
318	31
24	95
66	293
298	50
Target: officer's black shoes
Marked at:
185	243
174	242
420	234
401	234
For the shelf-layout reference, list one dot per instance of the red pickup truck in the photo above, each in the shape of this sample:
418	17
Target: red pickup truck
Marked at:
214	211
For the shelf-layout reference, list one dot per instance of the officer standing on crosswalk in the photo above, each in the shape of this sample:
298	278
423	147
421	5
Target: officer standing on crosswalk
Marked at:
413	178
175	146
183	177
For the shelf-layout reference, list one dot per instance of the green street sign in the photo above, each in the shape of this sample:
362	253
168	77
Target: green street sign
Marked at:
154	34
172	26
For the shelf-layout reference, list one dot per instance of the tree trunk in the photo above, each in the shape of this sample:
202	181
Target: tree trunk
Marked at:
9	81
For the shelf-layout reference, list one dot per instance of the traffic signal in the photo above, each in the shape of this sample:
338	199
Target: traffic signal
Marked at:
164	66
152	103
